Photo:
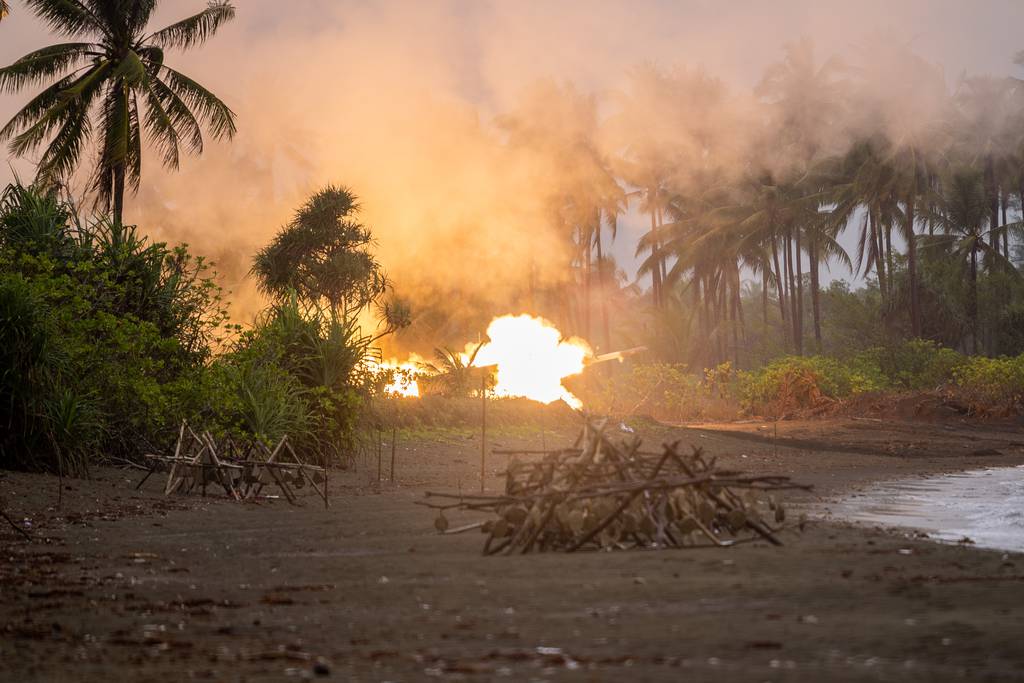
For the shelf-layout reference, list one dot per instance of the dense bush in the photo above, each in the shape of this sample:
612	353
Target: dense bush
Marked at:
793	383
106	335
917	364
665	391
40	411
992	386
295	372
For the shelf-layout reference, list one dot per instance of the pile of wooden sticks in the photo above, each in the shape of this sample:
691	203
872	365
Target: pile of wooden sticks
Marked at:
605	495
241	468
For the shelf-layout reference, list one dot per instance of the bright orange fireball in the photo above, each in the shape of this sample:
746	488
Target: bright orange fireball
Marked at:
532	359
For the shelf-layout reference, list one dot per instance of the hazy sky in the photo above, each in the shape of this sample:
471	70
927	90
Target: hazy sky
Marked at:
390	97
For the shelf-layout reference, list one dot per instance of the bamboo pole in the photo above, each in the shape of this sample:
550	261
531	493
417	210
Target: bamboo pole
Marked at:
394	437
483	428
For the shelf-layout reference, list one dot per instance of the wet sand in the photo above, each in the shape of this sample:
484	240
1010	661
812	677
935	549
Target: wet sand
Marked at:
133	586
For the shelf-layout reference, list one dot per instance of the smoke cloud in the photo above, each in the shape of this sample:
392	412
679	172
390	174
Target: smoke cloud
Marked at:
421	109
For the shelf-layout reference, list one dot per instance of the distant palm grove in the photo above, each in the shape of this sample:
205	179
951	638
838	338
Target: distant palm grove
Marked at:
750	205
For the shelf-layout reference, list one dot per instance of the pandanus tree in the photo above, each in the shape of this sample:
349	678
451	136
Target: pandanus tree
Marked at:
323	255
113	86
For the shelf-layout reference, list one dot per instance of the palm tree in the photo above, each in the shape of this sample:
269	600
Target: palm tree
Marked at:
868	180
986	105
961	212
560	124
806	99
664	136
113	83
4	9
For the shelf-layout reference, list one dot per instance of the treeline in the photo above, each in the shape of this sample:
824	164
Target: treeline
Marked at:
750	200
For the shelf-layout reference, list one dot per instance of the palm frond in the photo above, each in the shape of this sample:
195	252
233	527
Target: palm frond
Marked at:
161	128
207	106
182	119
35	67
195	29
64	150
36	107
69	17
78	95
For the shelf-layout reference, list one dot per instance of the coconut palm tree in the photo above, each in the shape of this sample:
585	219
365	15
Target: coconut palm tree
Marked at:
111	85
961	213
987	106
806	100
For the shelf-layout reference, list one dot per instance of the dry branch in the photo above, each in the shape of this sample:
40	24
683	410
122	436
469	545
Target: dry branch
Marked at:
604	495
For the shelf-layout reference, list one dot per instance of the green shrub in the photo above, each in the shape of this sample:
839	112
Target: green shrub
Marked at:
296	372
991	385
124	329
664	391
916	364
795	383
47	422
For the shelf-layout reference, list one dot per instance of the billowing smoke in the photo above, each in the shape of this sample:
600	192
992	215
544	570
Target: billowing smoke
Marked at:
458	123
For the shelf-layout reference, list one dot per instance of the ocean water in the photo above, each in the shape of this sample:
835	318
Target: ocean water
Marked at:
986	506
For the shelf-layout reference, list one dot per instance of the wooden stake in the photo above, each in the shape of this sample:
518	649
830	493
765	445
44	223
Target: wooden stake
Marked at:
380	453
394	437
483	427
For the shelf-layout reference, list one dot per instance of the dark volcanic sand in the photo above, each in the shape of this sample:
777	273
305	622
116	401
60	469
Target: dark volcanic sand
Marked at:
133	586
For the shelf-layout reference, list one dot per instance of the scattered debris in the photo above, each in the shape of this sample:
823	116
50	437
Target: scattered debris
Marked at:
603	495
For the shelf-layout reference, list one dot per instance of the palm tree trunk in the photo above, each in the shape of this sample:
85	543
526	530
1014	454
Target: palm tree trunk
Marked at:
780	285
656	271
602	293
739	317
796	294
876	238
1005	230
764	295
119	177
661	259
888	255
992	193
972	300
723	320
695	286
733	304
790	288
915	303
588	294
816	291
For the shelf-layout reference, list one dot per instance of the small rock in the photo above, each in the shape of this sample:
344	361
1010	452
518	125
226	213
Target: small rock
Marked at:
322	667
